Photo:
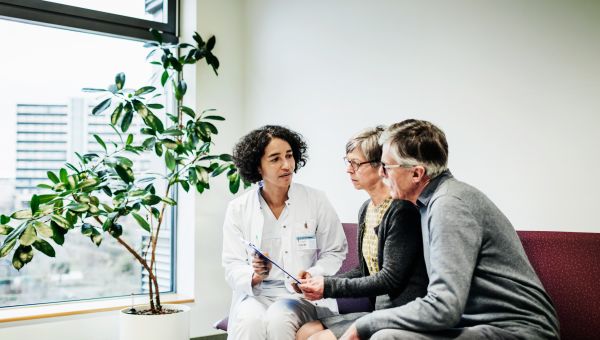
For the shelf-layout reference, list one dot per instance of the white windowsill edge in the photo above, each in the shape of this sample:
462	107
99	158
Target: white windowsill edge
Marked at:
53	310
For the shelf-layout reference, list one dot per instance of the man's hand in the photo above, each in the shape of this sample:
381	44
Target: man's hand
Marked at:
350	334
261	268
313	288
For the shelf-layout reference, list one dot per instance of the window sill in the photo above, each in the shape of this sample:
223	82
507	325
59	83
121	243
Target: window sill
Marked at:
24	313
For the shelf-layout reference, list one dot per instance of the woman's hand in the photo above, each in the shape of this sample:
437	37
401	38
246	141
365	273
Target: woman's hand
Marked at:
261	268
303	275
313	288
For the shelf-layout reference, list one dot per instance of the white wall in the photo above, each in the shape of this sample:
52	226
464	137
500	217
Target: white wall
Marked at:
514	84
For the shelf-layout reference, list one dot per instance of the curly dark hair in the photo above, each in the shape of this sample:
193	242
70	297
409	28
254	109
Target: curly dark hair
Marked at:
249	150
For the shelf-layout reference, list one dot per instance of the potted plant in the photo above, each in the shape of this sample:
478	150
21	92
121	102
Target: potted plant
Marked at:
102	189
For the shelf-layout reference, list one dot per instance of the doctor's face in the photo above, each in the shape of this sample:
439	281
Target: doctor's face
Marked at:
277	164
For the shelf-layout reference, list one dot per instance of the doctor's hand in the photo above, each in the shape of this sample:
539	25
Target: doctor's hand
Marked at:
303	275
313	288
261	268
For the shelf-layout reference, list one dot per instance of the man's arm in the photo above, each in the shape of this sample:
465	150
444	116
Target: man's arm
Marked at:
454	243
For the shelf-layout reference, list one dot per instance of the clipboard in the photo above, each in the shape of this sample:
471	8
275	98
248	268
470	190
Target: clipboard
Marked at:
260	253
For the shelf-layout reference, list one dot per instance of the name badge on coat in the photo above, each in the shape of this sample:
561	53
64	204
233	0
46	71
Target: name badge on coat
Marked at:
308	242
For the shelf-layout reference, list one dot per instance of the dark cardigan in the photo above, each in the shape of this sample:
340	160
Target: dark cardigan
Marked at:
402	273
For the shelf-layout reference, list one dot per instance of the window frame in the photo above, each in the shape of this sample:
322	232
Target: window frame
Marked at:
87	20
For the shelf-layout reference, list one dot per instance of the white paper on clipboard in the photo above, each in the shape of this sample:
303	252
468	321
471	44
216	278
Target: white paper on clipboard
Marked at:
261	254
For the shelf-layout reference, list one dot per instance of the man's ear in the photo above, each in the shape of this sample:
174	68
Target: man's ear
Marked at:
419	173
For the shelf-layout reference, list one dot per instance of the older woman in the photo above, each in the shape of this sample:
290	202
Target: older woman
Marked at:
295	224
392	270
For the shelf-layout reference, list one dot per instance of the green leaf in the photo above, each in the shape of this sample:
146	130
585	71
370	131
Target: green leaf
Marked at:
100	141
208	128
210	43
105	104
129	139
234	183
7	247
78	207
64	177
114	117
185	185
158	149
43	199
164	78
61	221
87	229
148	143
58	234
173	132
34	204
22	256
151	200
170	161
96	237
124	161
116	230
192	177
44	247
43	229
202	174
144	90
52	177
141	221
219	170
156	106
213	117
120	80
4	219
126	120
125	173
5	229
22	214
226	157
188	111
180	89
28	236
89	89
169	200
148	131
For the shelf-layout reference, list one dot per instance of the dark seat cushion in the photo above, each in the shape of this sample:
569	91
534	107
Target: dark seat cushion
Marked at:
568	264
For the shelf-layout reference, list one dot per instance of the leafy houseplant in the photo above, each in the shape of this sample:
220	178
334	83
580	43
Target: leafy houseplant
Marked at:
99	191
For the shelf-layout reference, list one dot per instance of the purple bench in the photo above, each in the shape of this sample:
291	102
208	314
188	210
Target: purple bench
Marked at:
568	264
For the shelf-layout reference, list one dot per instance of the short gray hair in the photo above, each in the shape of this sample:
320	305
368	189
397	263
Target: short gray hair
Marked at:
418	142
367	141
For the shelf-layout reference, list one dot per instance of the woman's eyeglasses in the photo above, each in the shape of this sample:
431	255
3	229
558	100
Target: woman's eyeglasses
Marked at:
356	165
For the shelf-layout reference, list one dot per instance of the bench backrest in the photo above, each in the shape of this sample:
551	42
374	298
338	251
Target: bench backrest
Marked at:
568	264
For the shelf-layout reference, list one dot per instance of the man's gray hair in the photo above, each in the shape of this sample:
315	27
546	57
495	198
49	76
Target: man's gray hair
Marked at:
367	141
418	142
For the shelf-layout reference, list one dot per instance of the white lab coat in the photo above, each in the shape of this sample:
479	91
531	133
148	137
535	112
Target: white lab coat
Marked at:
311	214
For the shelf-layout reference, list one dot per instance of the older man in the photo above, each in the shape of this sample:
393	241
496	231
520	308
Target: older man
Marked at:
481	284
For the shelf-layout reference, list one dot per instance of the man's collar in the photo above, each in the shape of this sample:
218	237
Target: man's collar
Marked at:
427	193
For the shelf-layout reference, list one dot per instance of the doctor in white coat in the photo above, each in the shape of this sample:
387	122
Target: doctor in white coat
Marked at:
295	224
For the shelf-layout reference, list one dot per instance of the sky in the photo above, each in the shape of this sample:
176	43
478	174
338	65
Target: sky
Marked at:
49	66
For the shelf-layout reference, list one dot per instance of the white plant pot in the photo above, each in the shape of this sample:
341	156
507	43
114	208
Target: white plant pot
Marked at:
174	326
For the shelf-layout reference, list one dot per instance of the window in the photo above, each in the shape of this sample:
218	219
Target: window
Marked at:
46	118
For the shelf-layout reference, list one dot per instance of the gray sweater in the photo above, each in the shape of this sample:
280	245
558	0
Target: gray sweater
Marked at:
402	274
478	271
